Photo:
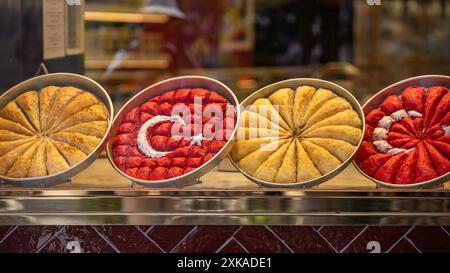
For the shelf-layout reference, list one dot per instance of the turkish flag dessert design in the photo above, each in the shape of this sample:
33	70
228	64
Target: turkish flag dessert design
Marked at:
407	138
173	134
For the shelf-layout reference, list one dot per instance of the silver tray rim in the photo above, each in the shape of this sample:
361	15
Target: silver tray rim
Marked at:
294	83
59	79
395	89
132	206
165	86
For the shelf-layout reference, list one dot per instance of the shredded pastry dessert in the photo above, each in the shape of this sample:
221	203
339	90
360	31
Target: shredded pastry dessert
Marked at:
296	135
406	139
173	134
46	132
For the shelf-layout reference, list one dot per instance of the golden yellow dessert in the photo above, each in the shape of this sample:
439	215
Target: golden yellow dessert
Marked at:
46	132
295	136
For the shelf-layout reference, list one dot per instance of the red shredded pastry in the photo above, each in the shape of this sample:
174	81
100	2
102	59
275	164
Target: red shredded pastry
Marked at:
391	104
374	117
212	114
406	139
366	149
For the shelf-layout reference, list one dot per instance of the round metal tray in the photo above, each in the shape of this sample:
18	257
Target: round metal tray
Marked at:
159	89
294	83
59	79
396	89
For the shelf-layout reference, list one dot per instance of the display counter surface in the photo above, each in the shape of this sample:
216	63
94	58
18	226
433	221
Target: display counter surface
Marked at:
99	195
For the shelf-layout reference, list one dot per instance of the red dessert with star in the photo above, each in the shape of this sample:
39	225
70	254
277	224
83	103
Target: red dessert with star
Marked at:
407	139
173	134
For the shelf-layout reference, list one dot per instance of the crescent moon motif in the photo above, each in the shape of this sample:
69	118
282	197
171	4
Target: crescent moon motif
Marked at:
147	149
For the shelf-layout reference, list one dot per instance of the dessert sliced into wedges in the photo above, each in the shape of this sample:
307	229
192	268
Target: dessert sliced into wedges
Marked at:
306	170
287	171
72	154
94	128
46	100
269	169
23	163
64	96
328	109
55	162
340	132
320	97
242	148
251	162
6	146
29	103
254	120
348	117
6	135
85	143
38	165
244	133
265	108
7	160
323	160
77	104
13	113
94	113
340	149
15	127
33	124
321	128
284	99
303	96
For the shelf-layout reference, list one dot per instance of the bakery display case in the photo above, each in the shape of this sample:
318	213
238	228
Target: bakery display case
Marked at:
319	113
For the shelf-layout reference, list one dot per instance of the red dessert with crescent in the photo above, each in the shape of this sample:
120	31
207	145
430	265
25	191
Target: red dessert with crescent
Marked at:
173	134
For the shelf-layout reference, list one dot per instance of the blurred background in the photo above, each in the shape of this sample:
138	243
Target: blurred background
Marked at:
126	45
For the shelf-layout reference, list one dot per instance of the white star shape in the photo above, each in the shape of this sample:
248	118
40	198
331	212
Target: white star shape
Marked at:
197	140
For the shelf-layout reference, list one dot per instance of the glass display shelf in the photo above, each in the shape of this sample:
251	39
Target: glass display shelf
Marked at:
99	195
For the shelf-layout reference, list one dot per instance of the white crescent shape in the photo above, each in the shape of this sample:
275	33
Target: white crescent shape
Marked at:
147	149
142	142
